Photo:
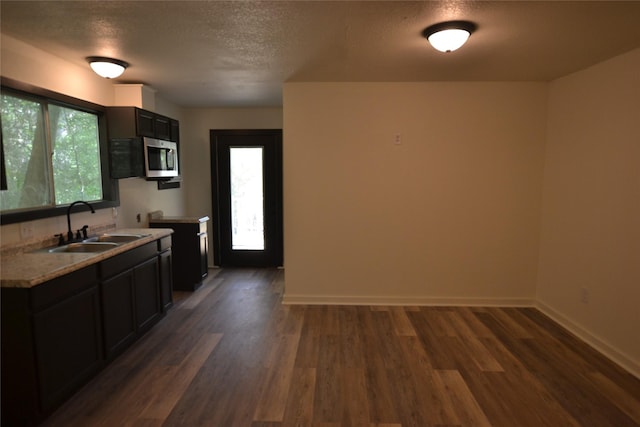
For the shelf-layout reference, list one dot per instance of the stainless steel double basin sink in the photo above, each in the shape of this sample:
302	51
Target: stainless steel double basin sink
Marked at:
101	243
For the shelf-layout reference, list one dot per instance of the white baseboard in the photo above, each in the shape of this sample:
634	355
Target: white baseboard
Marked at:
615	355
408	301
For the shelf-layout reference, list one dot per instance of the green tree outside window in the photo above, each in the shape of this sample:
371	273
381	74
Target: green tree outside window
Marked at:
52	154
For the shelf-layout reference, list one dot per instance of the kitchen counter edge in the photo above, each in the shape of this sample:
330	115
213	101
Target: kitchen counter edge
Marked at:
30	269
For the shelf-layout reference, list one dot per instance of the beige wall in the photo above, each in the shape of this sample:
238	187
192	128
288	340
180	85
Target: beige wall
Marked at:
196	153
590	234
31	65
450	215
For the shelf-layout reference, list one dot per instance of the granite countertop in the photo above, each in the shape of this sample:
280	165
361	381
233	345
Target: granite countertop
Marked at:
28	269
179	219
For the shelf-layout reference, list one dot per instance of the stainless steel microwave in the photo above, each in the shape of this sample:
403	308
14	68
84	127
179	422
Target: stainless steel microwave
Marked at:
160	158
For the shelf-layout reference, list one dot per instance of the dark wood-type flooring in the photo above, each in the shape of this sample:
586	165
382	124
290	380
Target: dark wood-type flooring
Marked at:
231	355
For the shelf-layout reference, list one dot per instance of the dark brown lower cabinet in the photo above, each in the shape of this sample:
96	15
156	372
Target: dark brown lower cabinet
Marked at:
190	250
130	296
166	279
147	294
118	313
51	344
67	337
59	334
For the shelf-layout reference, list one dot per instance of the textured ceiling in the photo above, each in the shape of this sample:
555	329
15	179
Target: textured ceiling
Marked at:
238	53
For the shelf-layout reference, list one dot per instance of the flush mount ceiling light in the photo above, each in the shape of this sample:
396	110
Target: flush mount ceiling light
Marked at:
449	36
108	68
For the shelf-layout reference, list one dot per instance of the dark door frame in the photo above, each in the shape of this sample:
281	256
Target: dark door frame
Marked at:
272	256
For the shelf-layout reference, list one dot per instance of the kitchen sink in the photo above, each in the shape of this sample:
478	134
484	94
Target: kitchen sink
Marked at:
94	244
86	247
115	238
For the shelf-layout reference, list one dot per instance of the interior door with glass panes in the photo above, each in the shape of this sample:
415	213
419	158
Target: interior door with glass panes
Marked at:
246	183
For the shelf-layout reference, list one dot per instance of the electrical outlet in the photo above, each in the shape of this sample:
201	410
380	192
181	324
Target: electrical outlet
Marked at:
584	295
26	230
397	139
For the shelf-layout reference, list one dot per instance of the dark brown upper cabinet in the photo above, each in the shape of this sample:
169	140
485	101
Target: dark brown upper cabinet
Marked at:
129	122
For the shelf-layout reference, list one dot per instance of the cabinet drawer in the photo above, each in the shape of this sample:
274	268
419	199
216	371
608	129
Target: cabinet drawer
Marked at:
62	287
164	244
119	263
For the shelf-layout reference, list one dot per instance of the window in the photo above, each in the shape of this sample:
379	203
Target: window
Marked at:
247	198
54	154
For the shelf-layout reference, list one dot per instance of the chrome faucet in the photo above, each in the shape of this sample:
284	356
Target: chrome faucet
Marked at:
69	232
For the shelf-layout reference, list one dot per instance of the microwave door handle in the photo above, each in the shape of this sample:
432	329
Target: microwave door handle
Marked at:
169	159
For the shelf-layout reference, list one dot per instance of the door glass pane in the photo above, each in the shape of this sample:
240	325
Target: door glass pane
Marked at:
247	198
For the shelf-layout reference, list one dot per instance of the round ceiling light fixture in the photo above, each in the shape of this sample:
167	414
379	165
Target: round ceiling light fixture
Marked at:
449	36
108	68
